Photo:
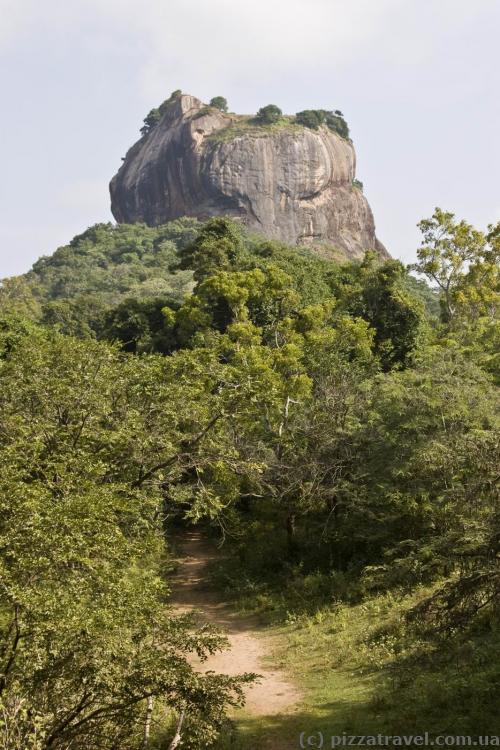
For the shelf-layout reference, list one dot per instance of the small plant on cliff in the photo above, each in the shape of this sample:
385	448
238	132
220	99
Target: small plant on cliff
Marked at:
269	114
156	113
150	121
171	99
357	184
219	102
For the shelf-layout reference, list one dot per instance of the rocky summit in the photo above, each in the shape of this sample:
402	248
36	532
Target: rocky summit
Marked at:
284	180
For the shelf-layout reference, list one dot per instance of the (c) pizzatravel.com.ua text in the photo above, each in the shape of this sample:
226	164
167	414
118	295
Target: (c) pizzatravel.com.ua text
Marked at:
321	740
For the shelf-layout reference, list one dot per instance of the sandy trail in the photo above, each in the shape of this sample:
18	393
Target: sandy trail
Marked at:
274	694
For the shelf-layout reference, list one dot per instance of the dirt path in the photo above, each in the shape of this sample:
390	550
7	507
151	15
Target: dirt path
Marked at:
274	694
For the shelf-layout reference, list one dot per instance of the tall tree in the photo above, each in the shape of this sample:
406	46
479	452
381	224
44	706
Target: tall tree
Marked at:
448	249
87	438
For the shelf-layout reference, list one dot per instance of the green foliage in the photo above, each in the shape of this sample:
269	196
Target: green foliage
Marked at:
152	119
18	297
81	282
113	282
429	297
313	118
384	295
431	421
318	412
251	127
218	246
154	116
164	106
463	262
310	118
86	636
336	122
394	313
310	276
269	114
139	325
112	260
219	102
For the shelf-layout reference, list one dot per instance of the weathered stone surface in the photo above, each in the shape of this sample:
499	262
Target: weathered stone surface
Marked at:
290	183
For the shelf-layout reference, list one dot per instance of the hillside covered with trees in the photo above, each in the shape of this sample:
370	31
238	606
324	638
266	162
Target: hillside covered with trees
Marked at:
336	425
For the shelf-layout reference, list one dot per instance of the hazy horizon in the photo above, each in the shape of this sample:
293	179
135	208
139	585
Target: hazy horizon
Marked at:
417	81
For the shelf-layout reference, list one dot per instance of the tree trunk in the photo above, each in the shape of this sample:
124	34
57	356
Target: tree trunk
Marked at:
147	723
177	738
291	530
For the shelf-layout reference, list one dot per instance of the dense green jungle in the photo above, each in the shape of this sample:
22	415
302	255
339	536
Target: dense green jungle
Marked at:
329	429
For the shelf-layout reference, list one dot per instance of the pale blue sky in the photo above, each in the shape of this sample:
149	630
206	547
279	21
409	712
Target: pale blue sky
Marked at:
418	81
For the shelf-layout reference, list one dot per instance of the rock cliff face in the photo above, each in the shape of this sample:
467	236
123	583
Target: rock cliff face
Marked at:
286	182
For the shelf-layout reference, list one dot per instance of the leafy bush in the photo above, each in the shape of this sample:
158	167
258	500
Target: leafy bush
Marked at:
313	118
85	636
172	98
337	123
310	118
151	120
157	113
219	102
269	114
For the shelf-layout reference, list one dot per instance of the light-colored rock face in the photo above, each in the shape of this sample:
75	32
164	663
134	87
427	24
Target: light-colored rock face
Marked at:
293	184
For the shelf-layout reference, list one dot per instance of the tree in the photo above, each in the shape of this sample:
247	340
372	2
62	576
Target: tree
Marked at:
310	118
218	247
383	295
165	105
77	286
312	439
464	265
428	484
150	121
313	118
447	251
397	316
478	293
219	102
337	123
138	324
86	638
269	114
17	297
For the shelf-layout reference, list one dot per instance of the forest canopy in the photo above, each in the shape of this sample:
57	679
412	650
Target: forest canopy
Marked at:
337	421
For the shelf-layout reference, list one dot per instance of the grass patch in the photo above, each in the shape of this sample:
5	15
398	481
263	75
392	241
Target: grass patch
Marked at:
245	125
341	658
364	669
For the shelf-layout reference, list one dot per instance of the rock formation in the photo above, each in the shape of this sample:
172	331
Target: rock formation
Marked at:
284	181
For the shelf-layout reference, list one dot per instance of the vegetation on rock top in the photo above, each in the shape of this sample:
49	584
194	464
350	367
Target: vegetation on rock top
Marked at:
269	115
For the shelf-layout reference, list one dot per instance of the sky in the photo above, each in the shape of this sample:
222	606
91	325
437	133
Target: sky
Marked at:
418	81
